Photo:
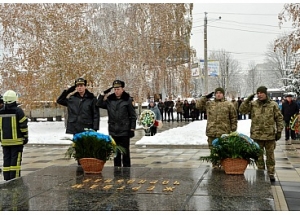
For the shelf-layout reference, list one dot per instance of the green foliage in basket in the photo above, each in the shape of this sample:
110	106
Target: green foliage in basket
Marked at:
233	145
92	144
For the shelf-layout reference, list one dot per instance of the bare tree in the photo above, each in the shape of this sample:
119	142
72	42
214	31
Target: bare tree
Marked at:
228	71
253	77
290	42
47	46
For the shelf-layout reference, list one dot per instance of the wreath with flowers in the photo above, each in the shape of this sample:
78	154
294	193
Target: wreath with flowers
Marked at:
147	118
92	144
233	145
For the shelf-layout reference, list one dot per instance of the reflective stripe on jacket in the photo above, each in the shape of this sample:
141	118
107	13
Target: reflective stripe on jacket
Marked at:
13	126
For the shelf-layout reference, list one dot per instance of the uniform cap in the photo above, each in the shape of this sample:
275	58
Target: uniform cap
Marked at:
118	83
80	81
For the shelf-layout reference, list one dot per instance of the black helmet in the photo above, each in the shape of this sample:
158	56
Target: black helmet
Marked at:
80	81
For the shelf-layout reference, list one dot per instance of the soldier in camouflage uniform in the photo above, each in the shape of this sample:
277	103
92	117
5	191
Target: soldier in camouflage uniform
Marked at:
266	126
221	115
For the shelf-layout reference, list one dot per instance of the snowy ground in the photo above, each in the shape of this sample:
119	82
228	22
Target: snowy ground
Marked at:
44	132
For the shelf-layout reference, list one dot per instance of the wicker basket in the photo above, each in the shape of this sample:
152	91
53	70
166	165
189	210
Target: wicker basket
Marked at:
234	166
91	165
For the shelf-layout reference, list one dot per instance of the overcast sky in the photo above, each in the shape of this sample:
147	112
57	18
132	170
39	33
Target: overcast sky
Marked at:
244	30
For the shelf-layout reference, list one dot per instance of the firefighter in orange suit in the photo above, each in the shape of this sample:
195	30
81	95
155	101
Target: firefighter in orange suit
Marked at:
14	135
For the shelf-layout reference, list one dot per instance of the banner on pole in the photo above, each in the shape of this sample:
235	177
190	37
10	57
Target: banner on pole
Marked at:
195	70
212	67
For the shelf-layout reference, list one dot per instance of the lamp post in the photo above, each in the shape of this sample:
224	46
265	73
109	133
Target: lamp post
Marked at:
205	55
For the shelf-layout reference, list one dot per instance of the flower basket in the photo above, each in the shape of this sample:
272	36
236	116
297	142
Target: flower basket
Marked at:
235	166
91	165
234	152
93	149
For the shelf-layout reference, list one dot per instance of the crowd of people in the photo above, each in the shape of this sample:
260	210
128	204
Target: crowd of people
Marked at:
187	109
180	110
268	118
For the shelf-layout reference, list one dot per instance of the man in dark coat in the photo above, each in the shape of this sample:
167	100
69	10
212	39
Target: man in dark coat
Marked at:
239	101
161	107
121	119
170	105
81	104
289	109
166	109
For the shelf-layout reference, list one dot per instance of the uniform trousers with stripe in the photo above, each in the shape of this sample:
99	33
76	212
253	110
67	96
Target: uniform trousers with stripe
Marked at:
12	158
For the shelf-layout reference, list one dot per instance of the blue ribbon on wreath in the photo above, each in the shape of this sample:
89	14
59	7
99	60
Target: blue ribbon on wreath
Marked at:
215	142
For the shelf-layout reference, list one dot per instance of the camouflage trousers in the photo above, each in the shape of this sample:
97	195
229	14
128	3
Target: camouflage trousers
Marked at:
209	140
268	146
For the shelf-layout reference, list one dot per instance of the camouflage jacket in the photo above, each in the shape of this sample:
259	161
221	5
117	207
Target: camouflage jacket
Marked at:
221	116
235	104
266	118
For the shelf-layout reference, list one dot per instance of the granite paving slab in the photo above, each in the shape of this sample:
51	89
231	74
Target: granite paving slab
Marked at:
67	188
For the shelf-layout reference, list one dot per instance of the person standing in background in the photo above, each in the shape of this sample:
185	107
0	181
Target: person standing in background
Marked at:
289	109
281	103
154	108
14	135
244	116
166	108
161	107
186	110
239	101
236	105
179	109
170	106
193	110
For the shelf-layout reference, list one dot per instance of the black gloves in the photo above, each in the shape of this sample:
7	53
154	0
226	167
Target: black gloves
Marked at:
131	133
107	91
25	140
277	136
71	89
208	96
250	98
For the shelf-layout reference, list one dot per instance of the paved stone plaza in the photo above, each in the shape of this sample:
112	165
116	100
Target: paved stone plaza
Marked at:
51	182
66	188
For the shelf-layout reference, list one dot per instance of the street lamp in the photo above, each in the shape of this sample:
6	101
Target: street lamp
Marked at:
205	53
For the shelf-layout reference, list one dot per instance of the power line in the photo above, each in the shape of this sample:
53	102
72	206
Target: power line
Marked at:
246	23
244	30
245	14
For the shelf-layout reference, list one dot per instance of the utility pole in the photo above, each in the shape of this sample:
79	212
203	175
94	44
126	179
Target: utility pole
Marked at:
227	76
205	55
